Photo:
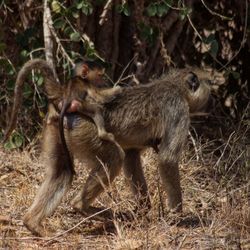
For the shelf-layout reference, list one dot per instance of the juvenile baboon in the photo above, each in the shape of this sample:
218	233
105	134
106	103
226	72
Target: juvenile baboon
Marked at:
86	91
150	115
90	101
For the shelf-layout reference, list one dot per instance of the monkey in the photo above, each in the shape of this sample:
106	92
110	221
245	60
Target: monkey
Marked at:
83	87
148	115
91	100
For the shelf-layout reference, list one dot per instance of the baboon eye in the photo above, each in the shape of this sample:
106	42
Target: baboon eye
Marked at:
193	81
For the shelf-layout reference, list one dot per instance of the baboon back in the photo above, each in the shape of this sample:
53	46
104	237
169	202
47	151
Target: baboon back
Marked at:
138	116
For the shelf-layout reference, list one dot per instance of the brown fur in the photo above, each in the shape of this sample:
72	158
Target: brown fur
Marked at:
153	115
90	100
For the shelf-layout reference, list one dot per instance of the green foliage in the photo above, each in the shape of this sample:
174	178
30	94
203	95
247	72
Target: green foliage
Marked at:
124	9
212	42
16	141
152	9
236	75
55	6
159	8
184	12
85	6
59	23
2	47
75	37
30	38
148	33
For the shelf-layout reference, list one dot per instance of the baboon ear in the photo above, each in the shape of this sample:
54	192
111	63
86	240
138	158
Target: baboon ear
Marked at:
85	70
192	81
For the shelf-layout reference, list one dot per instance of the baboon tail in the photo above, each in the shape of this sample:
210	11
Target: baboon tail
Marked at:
18	93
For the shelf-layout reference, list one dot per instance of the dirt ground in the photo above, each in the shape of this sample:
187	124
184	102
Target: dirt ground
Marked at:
216	194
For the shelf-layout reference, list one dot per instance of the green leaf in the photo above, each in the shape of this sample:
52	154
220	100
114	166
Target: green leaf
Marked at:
214	48
162	9
119	8
209	39
42	102
236	75
79	5
90	51
27	92
75	14
126	9
151	9
10	84
59	23
75	37
2	47
24	53
68	31
9	145
184	12
55	6
16	141
87	8
40	81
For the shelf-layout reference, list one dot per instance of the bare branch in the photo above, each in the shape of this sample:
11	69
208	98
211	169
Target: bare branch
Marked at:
105	11
48	42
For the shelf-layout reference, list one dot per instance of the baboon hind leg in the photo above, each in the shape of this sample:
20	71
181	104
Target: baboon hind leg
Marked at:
57	181
134	175
102	174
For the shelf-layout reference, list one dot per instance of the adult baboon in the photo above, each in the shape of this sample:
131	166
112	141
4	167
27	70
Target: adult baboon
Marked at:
152	115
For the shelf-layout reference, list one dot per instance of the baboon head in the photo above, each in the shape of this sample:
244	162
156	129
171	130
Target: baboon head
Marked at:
198	90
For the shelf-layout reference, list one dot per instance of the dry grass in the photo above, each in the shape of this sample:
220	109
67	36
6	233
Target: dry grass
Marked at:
216	191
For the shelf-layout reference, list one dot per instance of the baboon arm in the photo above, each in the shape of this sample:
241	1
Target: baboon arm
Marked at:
89	109
104	95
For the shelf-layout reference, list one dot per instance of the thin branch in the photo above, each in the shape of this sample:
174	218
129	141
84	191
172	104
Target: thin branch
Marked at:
195	147
124	70
85	38
60	46
181	242
115	54
224	150
215	13
48	41
200	37
105	11
244	39
223	66
48	240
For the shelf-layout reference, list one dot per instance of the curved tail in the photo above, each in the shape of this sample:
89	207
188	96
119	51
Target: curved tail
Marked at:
51	86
